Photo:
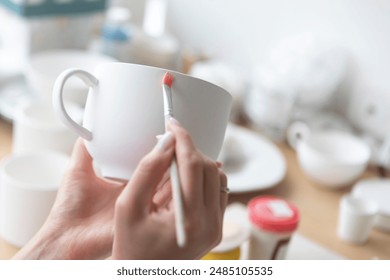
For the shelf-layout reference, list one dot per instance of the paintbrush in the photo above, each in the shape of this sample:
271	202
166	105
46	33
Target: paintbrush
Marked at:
167	82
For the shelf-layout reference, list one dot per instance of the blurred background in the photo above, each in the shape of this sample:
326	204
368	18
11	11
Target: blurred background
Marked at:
315	56
295	68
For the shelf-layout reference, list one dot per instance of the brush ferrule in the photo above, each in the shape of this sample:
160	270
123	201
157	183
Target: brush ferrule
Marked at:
168	105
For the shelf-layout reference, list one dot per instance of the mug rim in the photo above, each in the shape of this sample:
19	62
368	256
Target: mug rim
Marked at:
142	66
359	206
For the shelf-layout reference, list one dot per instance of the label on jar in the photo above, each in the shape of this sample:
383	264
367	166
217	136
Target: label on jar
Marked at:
280	249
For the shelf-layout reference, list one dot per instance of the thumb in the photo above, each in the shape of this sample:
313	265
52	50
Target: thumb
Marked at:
81	159
136	199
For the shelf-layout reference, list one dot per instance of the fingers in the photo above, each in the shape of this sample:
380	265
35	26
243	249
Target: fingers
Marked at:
137	197
224	195
207	199
215	197
211	185
190	164
81	159
163	194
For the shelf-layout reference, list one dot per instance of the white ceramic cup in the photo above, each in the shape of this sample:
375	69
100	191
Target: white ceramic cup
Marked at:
124	113
38	129
356	218
28	187
329	157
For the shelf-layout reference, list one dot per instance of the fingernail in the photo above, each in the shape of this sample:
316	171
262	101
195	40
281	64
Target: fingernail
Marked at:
174	121
219	164
165	142
158	137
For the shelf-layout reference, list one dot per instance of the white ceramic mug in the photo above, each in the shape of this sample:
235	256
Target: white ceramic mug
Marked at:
28	187
356	218
38	129
124	113
330	157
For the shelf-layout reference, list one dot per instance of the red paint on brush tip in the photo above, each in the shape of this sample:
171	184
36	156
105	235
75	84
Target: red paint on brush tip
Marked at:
168	79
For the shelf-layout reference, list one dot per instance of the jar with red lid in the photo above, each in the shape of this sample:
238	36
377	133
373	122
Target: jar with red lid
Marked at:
273	221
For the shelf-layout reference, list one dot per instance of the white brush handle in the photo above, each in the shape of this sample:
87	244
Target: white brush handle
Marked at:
176	197
177	205
174	174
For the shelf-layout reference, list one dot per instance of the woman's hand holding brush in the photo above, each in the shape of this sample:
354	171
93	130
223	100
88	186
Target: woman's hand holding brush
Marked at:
145	222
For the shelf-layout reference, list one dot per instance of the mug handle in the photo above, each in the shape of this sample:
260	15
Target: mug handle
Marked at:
296	133
58	100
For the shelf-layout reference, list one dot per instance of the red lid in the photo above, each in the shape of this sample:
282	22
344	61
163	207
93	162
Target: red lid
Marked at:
273	214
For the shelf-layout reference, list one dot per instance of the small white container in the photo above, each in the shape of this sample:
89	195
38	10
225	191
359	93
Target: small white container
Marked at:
356	218
28	188
37	129
273	221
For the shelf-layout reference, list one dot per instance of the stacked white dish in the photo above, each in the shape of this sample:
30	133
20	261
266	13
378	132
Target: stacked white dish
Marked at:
377	190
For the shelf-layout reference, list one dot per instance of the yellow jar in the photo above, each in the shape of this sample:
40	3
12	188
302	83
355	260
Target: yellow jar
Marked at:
228	255
233	235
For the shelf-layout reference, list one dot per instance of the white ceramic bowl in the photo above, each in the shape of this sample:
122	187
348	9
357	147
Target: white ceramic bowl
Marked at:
334	159
44	68
329	157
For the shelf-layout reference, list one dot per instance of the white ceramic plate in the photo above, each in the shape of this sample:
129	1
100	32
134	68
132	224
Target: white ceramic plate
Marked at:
258	164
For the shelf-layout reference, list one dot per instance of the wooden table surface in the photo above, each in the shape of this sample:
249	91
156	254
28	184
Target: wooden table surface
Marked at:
318	207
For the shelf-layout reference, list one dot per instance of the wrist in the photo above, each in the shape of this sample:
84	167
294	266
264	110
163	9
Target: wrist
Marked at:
50	244
44	245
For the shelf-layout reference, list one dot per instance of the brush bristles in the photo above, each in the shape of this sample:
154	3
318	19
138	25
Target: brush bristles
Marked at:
168	79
